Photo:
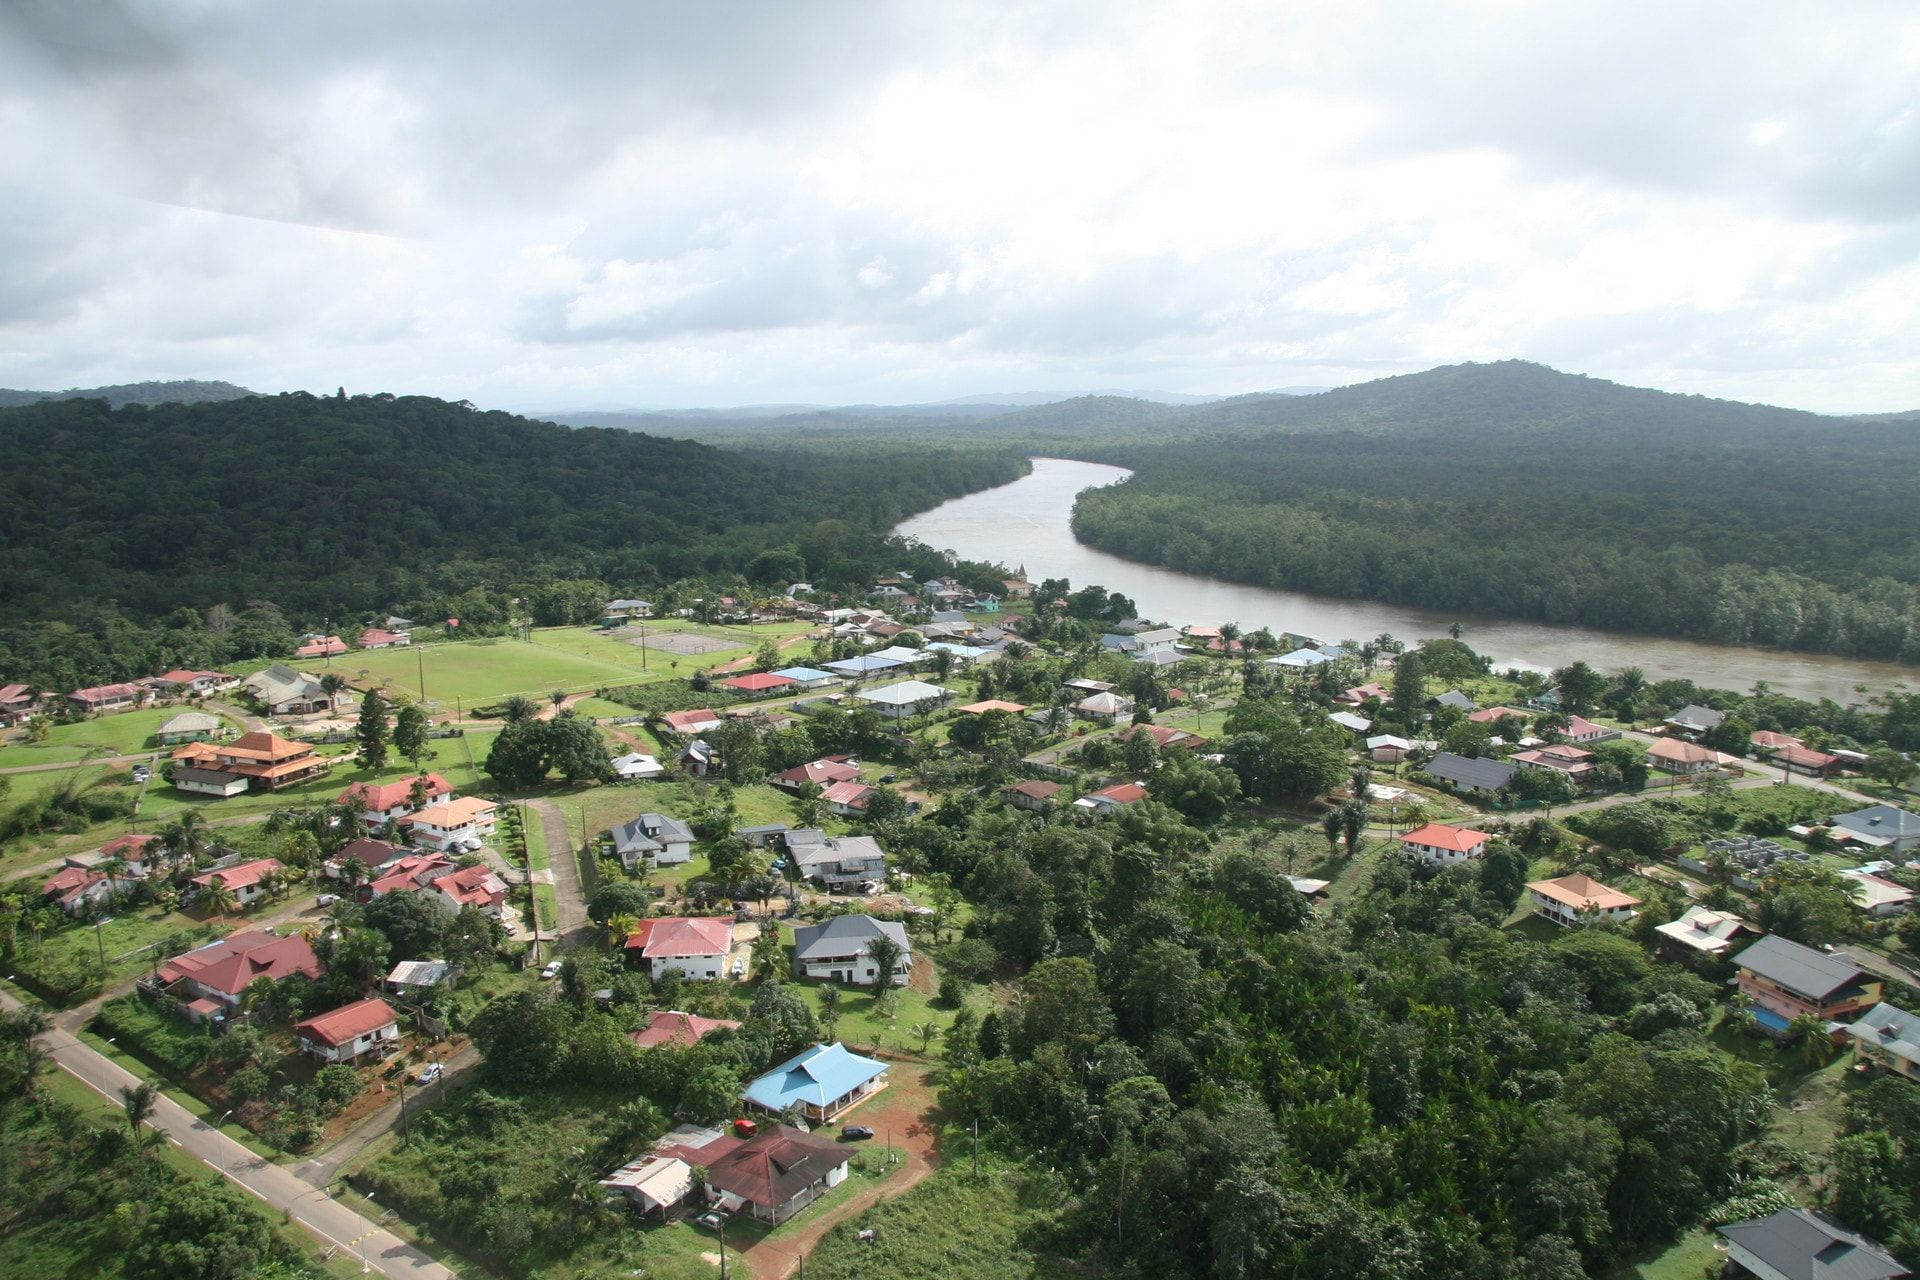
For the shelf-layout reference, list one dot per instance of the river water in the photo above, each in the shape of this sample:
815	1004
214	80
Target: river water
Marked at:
1027	523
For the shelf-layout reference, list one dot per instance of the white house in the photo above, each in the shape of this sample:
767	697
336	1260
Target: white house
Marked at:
365	1026
1442	846
451	825
1580	899
908	698
391	801
838	950
654	838
692	947
636	766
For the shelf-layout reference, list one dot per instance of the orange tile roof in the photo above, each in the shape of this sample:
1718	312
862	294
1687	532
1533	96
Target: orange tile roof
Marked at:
1440	836
1582	892
454	813
261	745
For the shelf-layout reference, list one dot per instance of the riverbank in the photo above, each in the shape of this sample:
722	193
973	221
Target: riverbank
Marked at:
1029	521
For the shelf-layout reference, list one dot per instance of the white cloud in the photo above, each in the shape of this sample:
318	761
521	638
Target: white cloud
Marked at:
859	202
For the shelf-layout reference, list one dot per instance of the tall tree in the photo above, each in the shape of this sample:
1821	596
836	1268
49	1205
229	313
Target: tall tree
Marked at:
410	733
372	731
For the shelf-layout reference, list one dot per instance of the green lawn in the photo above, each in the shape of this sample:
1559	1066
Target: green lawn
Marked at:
129	940
600	708
954	1226
862	1024
480	671
1692	1257
123	733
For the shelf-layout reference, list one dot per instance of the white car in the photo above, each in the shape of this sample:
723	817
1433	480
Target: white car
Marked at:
326	900
472	844
551	972
431	1072
739	969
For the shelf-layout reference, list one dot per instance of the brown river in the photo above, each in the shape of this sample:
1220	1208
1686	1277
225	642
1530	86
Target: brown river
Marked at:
1027	523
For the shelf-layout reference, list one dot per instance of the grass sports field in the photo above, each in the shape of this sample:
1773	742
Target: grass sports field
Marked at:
576	659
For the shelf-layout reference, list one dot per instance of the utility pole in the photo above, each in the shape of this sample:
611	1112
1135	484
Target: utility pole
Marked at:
405	1136
420	663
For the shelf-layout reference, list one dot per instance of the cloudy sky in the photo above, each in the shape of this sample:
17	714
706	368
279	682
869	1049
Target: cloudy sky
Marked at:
626	204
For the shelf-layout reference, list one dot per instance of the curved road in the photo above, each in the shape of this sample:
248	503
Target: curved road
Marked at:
331	1221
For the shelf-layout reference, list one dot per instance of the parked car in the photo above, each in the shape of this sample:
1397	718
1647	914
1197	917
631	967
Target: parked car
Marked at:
856	1132
739	969
431	1072
141	773
551	972
472	844
713	1220
326	900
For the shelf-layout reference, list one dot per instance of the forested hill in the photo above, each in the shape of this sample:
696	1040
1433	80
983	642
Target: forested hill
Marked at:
337	506
1516	491
178	392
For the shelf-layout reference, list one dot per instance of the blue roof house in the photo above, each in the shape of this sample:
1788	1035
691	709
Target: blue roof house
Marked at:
824	1082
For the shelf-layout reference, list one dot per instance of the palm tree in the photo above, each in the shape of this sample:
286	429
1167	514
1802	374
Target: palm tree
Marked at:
1809	1035
218	899
886	955
518	708
556	696
138	1103
830	996
1353	821
1229	632
186	836
333	684
1330	827
619	929
926	1031
1629	685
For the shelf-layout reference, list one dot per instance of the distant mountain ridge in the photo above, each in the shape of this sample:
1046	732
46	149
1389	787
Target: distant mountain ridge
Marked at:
180	391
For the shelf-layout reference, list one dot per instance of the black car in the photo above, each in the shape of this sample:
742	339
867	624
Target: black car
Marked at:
856	1133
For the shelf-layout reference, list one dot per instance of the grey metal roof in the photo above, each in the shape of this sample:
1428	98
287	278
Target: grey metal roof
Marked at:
1461	771
1803	1245
1797	968
1455	698
632	837
1694	716
1891	1029
845	936
666	827
1883	820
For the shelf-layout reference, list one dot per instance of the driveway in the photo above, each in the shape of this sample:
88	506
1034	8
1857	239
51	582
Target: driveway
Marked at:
332	1222
570	898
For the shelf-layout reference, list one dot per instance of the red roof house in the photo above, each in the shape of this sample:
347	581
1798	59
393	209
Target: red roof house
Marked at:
696	947
1440	844
322	647
343	1034
696	721
821	773
669	1028
243	879
72	888
475	886
222	970
759	682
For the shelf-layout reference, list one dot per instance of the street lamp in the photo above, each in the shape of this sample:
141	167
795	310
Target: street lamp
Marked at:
101	941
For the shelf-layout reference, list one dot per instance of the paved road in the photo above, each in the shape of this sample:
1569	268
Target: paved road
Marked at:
332	1222
1874	962
570	897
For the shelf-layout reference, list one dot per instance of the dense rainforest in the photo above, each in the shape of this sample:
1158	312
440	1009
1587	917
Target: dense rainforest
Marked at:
1515	491
1509	489
260	513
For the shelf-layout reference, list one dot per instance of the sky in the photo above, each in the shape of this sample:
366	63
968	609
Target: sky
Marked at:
598	205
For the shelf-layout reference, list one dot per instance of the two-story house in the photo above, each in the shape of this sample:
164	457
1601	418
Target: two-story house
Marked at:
845	864
840	950
212	979
1784	980
656	839
387	802
694	947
